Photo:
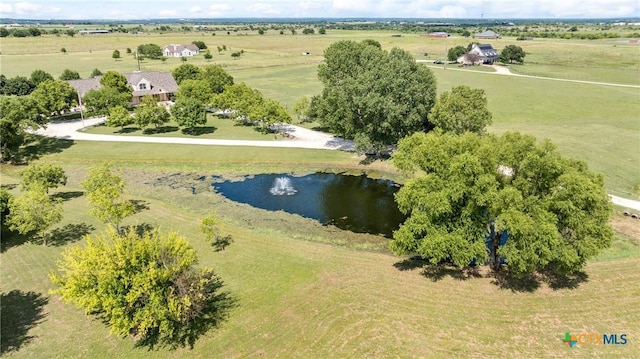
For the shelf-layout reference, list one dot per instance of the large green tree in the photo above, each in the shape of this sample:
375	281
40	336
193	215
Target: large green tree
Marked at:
117	81
68	74
104	193
216	77
18	86
38	76
373	96
455	52
189	112
101	101
45	175
151	51
470	190
186	72
512	53
461	109
18	115
149	113
119	117
55	97
34	211
147	287
196	89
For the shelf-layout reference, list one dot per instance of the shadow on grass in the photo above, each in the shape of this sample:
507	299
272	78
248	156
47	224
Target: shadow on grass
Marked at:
222	242
139	229
127	130
70	233
11	239
66	196
139	205
369	159
199	131
20	313
161	129
502	279
40	146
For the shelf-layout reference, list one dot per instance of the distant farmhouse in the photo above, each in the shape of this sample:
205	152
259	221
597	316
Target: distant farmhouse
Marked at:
487	35
478	55
438	34
160	85
174	50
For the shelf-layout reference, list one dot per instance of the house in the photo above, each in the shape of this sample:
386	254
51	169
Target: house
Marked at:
93	32
487	35
174	50
479	54
161	85
438	34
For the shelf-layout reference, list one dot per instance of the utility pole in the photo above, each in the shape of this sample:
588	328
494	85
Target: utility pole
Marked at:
138	58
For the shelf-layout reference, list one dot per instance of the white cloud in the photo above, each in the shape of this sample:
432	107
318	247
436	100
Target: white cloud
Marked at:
357	5
5	8
263	10
195	9
168	13
218	10
310	5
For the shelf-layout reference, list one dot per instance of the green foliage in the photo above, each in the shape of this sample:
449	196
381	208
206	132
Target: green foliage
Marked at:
512	53
104	192
201	45
63	50
117	81
18	86
18	115
301	109
116	54
55	97
34	211
186	72
373	96
149	113
101	101
69	74
95	72
119	116
5	197
197	89
455	52
236	55
189	112
248	106
216	77
151	51
70	33
210	228
43	175
308	31
322	31
471	189
461	109
207	55
38	76
147	287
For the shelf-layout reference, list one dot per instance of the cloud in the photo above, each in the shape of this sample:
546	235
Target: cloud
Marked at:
310	5
219	9
28	9
263	9
168	13
195	9
5	8
357	5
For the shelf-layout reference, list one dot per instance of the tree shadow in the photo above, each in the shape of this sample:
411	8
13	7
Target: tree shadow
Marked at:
40	146
557	281
199	131
437	272
127	130
66	196
139	229
70	233
410	264
20	312
11	239
222	242
369	158
139	205
161	129
505	280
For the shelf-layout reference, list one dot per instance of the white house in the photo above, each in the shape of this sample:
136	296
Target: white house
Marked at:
174	50
479	54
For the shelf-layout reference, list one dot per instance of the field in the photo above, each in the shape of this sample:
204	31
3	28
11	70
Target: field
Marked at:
311	291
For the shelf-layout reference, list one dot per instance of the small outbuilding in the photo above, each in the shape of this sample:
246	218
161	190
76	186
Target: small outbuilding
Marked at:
439	34
487	35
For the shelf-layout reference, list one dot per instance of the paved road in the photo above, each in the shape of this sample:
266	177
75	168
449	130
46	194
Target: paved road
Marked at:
299	137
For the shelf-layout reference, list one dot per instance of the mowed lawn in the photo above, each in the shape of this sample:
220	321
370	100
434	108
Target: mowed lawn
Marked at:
306	299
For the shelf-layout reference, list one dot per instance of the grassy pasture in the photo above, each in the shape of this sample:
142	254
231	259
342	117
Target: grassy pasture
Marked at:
306	299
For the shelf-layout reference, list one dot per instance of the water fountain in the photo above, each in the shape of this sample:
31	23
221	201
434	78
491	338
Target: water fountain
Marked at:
282	186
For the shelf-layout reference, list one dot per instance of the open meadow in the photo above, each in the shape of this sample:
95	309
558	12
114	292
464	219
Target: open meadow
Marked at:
307	290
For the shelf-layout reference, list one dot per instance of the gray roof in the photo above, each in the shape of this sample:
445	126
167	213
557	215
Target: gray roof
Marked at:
161	82
487	35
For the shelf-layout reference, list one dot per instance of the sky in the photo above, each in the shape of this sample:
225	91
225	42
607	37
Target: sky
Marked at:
157	9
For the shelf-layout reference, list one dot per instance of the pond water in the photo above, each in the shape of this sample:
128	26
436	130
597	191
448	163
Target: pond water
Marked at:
356	203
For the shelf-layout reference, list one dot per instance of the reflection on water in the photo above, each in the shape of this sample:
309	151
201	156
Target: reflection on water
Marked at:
356	203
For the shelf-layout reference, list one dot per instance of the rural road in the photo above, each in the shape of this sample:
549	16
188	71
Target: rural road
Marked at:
301	138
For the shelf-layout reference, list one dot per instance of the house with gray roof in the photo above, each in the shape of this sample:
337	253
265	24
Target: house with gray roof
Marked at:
479	54
160	85
174	50
487	35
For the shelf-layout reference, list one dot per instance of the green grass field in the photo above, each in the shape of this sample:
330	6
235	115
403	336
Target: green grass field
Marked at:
311	291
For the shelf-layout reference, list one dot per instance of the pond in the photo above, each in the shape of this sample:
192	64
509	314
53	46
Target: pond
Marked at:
356	203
